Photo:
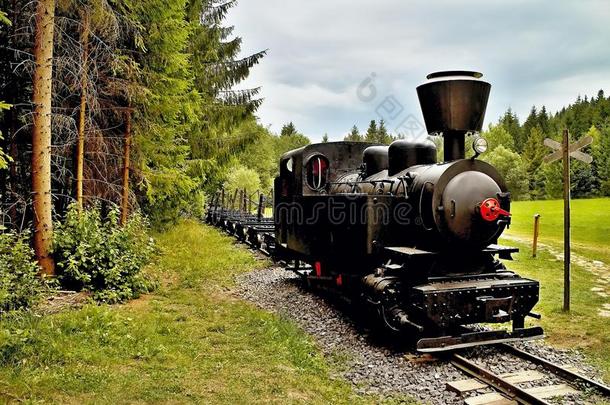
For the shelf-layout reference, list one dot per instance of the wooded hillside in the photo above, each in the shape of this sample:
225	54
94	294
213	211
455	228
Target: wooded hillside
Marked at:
517	149
150	81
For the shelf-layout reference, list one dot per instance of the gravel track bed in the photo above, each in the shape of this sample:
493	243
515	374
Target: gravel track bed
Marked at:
370	361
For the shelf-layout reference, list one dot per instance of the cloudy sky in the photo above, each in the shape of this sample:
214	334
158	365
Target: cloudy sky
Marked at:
336	63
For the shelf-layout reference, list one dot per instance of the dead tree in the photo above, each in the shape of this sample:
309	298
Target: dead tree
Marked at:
80	148
126	157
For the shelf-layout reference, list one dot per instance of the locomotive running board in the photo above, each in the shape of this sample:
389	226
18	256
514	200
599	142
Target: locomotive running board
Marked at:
491	337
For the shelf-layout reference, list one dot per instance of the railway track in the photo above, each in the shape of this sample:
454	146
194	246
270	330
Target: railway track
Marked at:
507	386
256	232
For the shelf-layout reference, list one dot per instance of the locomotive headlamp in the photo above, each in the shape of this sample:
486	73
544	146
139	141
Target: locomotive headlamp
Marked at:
480	146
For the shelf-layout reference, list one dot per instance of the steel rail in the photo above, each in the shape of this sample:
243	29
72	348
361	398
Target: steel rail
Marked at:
510	390
562	372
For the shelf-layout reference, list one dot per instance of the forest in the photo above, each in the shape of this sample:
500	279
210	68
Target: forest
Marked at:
119	117
516	148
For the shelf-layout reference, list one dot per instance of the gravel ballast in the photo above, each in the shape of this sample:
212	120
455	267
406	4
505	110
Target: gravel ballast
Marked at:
371	361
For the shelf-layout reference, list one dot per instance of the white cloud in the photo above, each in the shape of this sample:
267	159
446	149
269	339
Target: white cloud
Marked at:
533	52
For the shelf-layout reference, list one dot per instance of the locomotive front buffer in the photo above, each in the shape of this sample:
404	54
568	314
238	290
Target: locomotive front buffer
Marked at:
451	304
438	309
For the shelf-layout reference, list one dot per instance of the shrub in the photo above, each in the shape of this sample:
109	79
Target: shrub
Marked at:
96	254
20	286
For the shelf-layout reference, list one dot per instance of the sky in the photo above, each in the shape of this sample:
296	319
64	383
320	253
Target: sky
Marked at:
333	64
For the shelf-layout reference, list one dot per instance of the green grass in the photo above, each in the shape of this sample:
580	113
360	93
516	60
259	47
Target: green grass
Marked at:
590	224
192	341
583	328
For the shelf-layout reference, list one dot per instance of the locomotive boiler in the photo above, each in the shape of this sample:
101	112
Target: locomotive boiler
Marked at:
415	237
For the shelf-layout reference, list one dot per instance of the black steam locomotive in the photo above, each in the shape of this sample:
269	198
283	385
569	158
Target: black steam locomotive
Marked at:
414	237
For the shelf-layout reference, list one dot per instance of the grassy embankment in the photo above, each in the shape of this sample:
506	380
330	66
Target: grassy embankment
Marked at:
583	327
189	342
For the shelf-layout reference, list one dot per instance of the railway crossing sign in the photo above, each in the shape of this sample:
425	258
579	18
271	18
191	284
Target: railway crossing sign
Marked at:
565	151
573	149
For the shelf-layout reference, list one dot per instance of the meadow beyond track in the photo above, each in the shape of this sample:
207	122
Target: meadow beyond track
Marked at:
587	327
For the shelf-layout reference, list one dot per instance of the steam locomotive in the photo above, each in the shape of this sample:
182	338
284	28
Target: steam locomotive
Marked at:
414	238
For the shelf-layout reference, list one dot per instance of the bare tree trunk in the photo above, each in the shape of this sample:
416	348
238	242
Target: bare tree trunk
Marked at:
14	153
80	147
14	150
41	135
126	155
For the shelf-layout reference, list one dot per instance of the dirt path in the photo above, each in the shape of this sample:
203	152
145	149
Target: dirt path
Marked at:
596	267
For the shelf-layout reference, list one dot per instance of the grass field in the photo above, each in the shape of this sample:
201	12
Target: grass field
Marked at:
590	224
189	342
583	327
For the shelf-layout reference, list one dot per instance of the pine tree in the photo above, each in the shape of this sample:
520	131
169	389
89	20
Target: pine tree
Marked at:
172	63
530	123
382	134
94	78
41	135
289	140
601	155
288	130
354	135
379	134
552	174
217	69
371	132
325	138
543	121
167	112
510	123
533	153
80	145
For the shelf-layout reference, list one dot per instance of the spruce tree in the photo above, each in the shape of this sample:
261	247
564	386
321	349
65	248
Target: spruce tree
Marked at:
601	154
530	123
382	134
543	121
371	132
533	153
510	122
354	135
168	109
288	130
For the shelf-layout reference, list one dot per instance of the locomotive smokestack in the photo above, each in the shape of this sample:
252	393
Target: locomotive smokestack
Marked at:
453	103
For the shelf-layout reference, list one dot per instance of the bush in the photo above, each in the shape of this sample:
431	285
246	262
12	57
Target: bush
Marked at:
20	286
96	254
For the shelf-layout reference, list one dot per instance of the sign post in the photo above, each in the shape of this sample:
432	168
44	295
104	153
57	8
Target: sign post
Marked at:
564	151
536	234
